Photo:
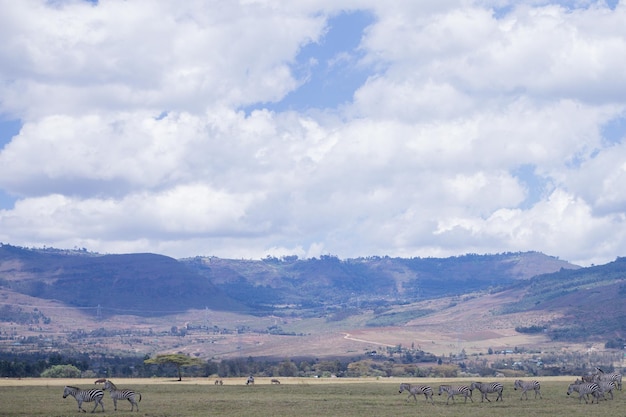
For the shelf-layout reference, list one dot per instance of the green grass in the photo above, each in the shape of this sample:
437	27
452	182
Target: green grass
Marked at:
297	397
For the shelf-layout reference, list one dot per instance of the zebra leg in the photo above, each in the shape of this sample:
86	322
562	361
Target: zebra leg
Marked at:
133	404
98	401
115	403
80	405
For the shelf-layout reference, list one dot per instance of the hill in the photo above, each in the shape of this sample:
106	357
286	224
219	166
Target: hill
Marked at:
137	284
216	308
372	281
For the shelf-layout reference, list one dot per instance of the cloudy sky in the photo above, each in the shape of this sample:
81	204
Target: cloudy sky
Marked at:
242	129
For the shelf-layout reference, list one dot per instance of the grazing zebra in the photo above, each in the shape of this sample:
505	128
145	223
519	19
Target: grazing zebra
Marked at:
606	387
415	390
488	388
275	381
463	390
87	396
526	386
123	394
250	380
584	390
219	382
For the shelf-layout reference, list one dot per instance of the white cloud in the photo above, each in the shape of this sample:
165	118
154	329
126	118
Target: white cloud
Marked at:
134	138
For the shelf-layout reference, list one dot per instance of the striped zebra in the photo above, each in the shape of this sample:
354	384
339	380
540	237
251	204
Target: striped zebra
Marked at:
606	387
526	386
585	390
463	390
488	388
250	380
612	377
415	390
87	396
123	394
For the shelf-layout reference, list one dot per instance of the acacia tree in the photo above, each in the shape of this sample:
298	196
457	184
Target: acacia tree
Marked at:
177	359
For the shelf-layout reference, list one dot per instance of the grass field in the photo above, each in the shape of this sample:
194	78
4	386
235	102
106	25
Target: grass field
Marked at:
294	397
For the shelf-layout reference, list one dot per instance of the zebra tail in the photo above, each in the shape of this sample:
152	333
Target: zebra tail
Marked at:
139	397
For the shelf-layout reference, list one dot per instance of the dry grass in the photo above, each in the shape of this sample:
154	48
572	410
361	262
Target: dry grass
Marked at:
294	396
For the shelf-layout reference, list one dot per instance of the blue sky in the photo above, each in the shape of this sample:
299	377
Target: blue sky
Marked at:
293	128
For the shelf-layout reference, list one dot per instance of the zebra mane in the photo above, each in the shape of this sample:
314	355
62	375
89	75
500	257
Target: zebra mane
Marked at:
110	384
69	386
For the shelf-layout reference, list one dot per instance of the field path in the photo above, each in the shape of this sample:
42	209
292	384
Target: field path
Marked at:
347	336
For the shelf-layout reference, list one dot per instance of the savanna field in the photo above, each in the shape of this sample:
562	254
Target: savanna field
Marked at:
359	397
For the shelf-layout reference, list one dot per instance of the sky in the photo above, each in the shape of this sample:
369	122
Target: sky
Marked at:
351	128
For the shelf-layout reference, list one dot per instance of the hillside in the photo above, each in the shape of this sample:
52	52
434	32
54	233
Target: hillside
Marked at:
373	281
137	284
219	308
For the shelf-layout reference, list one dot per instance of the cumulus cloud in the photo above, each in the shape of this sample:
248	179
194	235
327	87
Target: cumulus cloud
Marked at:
155	126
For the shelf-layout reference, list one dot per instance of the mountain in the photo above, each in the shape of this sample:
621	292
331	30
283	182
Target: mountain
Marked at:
80	297
138	284
329	281
591	300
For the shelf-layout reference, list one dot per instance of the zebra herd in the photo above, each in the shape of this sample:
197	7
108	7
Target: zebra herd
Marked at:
599	388
595	386
96	395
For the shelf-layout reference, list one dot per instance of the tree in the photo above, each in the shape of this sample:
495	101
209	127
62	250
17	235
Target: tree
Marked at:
176	359
61	371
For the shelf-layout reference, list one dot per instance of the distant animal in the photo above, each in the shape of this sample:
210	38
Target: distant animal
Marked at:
526	386
123	394
463	390
488	388
584	390
100	381
250	380
415	390
219	382
275	381
88	395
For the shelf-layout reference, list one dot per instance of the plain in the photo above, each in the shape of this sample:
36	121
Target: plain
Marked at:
358	397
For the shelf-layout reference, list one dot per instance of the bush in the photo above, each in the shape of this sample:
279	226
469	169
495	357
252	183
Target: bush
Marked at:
61	371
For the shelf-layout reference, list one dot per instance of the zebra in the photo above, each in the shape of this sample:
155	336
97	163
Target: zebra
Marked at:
456	390
414	390
275	381
584	390
612	377
526	386
123	394
250	380
606	387
488	388
87	396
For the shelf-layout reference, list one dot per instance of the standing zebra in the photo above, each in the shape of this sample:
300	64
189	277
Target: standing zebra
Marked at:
606	387
612	377
87	396
250	380
584	390
463	390
123	394
415	390
488	388
526	386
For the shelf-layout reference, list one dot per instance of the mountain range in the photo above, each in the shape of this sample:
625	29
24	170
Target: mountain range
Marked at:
576	303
